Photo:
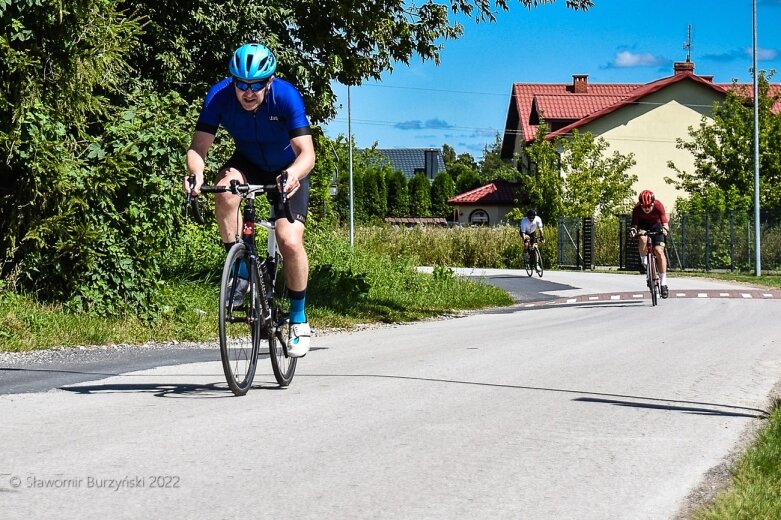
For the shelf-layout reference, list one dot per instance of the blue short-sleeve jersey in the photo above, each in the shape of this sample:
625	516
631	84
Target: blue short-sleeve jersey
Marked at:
262	137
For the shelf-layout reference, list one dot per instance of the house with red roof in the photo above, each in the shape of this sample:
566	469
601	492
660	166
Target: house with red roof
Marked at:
487	205
642	119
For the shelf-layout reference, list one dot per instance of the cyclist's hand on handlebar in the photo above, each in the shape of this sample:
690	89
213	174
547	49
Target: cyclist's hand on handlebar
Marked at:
665	232
192	187
192	184
633	232
291	185
283	184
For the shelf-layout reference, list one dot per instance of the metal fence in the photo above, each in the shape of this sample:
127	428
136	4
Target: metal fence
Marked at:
569	242
711	241
724	241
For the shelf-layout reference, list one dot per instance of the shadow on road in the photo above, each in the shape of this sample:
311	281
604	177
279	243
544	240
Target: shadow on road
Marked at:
522	288
638	401
685	409
211	390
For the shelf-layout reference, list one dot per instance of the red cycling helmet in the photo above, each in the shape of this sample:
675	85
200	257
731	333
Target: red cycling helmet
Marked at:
647	198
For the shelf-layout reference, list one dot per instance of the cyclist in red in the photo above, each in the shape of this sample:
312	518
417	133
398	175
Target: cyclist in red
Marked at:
649	215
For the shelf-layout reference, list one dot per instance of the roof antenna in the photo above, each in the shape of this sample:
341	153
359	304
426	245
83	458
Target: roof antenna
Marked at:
688	46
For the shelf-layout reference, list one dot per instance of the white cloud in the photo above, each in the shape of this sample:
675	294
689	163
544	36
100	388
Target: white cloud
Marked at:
627	59
764	54
431	124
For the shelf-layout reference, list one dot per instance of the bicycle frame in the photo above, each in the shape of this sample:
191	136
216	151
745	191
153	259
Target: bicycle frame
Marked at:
651	272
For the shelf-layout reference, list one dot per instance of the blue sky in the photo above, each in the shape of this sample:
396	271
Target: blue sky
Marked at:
463	102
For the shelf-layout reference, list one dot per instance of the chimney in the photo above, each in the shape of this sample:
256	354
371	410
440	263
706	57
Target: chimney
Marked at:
432	166
580	83
682	67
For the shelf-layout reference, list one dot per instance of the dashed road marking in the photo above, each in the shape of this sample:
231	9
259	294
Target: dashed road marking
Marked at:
774	294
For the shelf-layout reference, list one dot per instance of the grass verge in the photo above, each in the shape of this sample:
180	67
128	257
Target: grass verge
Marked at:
755	490
189	311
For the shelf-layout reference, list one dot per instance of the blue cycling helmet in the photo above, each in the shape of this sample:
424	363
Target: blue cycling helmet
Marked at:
252	62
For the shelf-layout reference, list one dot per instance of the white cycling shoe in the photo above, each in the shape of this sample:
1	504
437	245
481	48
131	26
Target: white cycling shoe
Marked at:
298	340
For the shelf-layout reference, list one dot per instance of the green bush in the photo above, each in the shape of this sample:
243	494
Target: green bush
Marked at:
197	254
105	213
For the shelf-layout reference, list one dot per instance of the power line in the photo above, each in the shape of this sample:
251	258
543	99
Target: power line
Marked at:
509	132
397	124
435	90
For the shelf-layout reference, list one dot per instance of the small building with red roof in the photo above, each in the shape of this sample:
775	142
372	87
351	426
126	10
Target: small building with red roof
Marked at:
487	205
642	119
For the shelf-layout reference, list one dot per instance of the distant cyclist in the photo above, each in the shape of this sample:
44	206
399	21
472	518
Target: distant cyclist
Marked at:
266	117
649	215
530	224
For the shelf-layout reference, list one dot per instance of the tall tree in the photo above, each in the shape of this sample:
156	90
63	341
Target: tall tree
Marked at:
448	155
465	177
420	196
375	194
398	193
541	180
723	151
442	189
324	176
594	182
187	42
493	167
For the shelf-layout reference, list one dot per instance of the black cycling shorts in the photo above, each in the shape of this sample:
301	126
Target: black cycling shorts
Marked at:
299	202
656	240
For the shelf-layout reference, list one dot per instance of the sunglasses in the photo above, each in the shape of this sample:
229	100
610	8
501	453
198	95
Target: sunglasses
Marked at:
255	86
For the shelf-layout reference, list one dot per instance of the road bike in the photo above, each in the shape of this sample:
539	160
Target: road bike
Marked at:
253	304
651	270
532	260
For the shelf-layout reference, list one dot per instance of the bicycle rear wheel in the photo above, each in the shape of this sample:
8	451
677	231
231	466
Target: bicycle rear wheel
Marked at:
538	265
283	365
239	320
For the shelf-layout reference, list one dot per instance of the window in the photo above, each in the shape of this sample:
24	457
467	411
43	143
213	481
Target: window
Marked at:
479	218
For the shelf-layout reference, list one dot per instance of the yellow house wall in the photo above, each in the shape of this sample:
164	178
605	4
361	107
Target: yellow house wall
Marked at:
648	129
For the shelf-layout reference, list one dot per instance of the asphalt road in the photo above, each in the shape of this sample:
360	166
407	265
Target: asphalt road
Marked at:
558	408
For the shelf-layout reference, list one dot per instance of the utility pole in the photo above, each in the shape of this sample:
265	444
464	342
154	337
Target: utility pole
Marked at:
758	239
350	144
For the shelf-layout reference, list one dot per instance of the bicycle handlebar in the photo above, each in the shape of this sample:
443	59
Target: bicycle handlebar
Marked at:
649	233
238	188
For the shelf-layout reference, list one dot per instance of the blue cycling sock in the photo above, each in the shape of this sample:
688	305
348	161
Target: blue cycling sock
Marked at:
241	269
297	303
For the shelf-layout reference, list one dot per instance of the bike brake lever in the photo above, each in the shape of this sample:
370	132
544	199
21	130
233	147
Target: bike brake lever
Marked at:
192	202
283	197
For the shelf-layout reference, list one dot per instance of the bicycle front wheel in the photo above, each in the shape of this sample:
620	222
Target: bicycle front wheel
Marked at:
283	365
240	320
527	263
651	279
538	265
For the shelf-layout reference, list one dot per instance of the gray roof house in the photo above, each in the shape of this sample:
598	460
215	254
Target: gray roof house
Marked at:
411	161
